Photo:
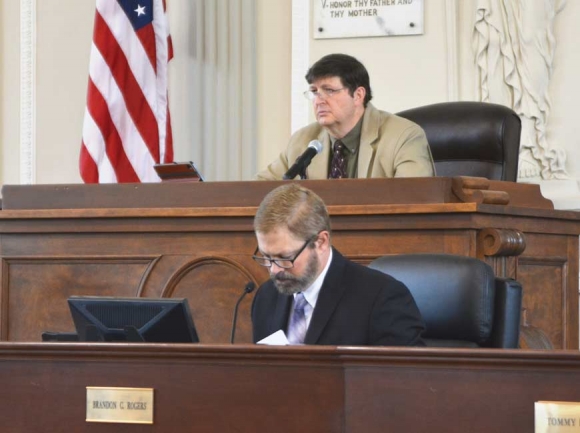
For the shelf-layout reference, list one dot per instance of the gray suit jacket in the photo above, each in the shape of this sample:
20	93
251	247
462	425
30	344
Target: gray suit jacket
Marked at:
390	146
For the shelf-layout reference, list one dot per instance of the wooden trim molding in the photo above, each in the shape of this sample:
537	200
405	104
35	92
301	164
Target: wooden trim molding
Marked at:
501	242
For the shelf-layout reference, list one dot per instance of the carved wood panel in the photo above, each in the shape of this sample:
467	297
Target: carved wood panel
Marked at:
213	285
35	290
545	309
203	252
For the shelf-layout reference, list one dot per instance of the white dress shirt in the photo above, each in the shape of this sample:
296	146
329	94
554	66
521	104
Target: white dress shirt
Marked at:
311	293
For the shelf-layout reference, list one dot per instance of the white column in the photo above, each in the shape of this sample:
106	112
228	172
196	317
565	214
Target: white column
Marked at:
27	91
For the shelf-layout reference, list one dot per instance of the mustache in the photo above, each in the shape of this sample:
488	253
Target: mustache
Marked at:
282	276
287	284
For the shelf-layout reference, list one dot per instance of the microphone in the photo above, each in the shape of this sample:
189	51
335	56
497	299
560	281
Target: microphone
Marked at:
303	161
248	289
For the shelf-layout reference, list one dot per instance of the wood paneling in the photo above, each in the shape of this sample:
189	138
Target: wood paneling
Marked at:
201	248
38	286
286	389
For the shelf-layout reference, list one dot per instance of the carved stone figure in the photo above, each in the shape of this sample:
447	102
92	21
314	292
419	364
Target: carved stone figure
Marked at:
514	46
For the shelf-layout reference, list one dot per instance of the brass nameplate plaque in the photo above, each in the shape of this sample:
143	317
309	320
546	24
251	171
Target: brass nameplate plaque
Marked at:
120	405
557	417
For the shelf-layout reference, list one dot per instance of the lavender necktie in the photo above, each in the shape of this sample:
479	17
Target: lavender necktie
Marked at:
298	326
339	163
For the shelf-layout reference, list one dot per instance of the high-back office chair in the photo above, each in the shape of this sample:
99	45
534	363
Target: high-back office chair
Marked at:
471	138
462	303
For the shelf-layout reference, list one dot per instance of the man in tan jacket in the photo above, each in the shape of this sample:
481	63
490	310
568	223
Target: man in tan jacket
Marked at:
358	140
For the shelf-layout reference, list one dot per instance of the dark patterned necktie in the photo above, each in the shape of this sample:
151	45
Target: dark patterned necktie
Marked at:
339	163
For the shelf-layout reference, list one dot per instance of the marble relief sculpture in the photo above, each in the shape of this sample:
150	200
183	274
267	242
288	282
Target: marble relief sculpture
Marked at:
514	46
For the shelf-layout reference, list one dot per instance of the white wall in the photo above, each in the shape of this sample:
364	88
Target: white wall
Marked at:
564	122
274	45
63	32
9	91
406	71
62	55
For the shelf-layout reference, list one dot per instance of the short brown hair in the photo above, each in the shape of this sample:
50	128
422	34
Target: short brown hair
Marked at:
292	206
351	72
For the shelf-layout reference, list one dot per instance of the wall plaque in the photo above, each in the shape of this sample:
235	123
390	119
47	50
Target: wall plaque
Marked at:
120	405
557	417
361	18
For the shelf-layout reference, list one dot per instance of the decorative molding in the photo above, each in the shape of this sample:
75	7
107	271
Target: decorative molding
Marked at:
451	17
300	62
27	91
501	242
476	189
199	262
503	266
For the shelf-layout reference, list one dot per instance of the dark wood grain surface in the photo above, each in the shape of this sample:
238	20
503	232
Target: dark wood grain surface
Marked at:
196	241
239	388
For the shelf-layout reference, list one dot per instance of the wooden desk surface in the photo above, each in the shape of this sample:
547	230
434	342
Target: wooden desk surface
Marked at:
286	389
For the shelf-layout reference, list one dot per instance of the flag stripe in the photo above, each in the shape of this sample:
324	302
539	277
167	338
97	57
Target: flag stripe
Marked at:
143	70
168	155
135	102
133	144
95	148
163	50
127	127
90	174
147	37
113	144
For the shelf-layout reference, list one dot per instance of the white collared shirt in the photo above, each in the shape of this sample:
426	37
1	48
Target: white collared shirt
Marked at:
312	292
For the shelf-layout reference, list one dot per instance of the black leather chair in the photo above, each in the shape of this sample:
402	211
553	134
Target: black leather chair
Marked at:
471	138
462	303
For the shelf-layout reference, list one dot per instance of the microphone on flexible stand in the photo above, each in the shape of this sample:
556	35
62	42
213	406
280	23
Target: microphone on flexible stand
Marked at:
248	289
303	161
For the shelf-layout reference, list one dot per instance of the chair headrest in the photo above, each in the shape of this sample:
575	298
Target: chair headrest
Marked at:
455	294
484	138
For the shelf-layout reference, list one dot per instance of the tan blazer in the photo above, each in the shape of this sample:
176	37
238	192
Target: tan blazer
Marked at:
390	146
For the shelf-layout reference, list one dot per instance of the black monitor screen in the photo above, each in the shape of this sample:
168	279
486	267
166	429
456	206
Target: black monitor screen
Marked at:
152	320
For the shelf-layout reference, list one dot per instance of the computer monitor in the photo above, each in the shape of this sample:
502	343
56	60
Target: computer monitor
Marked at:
155	320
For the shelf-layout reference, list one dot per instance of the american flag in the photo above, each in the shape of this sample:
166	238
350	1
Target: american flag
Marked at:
127	127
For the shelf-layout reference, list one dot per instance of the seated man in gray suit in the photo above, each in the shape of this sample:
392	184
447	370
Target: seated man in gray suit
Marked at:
315	295
358	141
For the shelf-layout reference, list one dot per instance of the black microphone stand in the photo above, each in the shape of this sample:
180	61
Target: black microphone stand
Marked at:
248	289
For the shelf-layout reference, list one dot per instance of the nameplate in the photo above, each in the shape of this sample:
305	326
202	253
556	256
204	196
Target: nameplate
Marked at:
557	417
120	405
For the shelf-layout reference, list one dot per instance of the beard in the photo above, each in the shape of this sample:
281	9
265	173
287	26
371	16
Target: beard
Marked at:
288	284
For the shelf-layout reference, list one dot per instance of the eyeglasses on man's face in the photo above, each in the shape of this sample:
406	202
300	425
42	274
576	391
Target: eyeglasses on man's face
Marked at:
322	93
280	262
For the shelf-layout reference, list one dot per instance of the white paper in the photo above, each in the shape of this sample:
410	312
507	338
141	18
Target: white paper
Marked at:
278	338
